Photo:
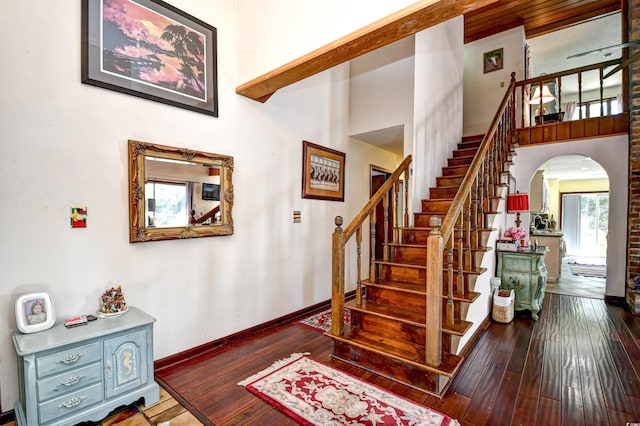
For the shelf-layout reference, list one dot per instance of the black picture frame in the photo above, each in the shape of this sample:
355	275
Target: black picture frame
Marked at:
211	191
175	64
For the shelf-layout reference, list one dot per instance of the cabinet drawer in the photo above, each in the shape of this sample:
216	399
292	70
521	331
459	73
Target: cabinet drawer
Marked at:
66	359
69	403
518	263
68	381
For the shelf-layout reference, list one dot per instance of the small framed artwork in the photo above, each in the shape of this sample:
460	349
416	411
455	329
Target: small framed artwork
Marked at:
152	50
322	172
493	60
78	216
35	312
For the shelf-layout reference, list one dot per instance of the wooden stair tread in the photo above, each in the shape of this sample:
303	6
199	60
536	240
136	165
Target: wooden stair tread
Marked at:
413	288
405	352
405	263
416	319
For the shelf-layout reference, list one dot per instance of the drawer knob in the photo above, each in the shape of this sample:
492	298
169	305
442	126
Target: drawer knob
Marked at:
70	359
72	402
71	381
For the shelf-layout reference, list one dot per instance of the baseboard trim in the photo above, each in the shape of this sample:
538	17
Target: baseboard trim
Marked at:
8	417
210	348
615	300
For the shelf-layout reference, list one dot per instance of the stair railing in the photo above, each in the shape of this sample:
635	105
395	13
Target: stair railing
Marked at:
460	230
341	237
533	113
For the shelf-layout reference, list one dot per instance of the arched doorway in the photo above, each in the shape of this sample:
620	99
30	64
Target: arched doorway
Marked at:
570	214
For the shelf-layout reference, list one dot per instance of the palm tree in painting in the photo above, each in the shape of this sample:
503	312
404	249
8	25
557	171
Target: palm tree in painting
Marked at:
189	50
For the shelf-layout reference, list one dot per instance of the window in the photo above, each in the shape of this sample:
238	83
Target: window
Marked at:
166	203
592	109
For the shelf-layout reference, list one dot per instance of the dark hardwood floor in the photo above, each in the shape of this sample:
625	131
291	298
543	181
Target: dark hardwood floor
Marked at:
577	365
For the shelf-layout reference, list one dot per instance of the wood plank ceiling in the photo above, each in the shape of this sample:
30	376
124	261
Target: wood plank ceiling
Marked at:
482	18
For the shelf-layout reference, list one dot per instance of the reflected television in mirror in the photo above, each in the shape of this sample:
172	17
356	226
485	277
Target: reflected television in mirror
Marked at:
211	191
178	193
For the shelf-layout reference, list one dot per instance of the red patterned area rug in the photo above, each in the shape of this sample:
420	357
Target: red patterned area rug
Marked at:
322	321
313	393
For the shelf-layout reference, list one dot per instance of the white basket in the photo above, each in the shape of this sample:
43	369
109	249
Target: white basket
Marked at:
503	306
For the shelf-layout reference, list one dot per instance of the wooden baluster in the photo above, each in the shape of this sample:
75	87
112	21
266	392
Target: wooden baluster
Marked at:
396	219
406	198
476	210
480	178
580	95
337	279
461	260
512	103
372	249
468	226
433	332
602	93
359	266
385	222
450	313
560	118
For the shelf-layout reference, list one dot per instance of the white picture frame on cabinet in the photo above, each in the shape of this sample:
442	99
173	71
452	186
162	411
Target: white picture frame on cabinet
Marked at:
35	312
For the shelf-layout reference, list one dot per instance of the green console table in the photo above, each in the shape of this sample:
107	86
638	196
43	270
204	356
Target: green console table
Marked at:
525	272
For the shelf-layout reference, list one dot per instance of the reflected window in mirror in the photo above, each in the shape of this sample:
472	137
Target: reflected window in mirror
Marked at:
178	193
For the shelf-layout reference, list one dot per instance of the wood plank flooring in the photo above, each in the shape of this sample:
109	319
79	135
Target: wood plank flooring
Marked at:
577	365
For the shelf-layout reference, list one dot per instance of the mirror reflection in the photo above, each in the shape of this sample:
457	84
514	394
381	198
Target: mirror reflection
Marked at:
178	193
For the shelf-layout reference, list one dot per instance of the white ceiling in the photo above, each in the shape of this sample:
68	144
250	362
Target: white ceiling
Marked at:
572	167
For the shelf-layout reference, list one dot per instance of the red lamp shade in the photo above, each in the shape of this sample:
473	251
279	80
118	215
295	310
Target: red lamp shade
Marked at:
518	202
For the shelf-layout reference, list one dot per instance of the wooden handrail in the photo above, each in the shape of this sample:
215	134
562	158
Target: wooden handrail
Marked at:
465	186
377	197
211	213
565	73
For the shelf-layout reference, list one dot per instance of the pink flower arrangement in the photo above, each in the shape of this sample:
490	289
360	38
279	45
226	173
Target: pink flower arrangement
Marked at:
515	233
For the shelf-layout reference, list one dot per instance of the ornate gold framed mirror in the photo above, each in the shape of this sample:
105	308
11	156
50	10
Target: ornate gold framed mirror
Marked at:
178	193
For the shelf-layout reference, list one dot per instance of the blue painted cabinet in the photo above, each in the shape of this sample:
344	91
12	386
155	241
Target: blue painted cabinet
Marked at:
524	272
68	376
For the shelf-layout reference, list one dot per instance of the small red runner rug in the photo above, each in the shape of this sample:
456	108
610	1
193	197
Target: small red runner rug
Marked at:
312	393
322	320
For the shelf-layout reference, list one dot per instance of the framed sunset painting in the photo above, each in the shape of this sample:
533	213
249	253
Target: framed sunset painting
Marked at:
150	49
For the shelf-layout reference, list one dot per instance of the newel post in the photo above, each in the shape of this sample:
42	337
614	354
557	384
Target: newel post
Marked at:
337	279
433	340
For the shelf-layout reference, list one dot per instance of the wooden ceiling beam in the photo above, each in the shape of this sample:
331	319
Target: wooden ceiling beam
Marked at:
417	17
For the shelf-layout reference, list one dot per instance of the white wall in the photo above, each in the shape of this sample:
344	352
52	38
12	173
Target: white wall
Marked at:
381	88
437	110
483	92
65	143
612	154
275	32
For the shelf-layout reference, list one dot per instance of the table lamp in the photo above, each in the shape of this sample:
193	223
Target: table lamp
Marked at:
516	203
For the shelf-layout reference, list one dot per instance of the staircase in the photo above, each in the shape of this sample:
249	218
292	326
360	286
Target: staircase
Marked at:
408	316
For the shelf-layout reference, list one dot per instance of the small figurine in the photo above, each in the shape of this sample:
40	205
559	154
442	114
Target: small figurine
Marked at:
113	301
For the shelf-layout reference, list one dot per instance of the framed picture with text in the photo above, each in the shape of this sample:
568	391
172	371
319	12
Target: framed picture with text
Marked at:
152	50
322	172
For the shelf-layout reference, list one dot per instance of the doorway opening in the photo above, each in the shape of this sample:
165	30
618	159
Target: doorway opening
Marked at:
378	177
575	190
